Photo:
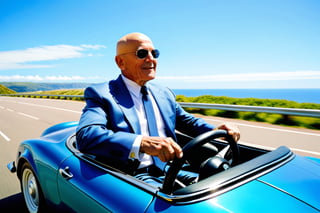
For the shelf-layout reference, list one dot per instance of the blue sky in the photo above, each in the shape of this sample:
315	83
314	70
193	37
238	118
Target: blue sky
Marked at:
203	43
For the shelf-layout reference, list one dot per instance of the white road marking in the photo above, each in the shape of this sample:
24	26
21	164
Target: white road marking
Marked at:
273	129
305	151
49	107
29	116
4	136
272	148
257	145
270	128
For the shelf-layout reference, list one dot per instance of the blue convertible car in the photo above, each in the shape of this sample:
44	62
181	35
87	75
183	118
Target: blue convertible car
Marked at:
231	178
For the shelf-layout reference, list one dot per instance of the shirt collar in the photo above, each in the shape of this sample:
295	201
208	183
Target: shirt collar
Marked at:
132	86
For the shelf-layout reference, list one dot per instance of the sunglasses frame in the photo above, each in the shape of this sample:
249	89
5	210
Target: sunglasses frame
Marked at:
155	53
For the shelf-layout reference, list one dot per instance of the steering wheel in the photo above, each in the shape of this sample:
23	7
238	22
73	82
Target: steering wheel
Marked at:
200	140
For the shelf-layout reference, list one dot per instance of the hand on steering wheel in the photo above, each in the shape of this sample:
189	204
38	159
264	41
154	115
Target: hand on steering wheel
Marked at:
192	145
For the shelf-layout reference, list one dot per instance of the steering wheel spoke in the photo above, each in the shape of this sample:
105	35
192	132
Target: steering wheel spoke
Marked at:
223	153
226	153
202	139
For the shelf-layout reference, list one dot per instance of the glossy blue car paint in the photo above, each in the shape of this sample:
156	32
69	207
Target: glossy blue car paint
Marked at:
314	159
88	183
297	179
57	128
251	197
73	181
45	155
290	188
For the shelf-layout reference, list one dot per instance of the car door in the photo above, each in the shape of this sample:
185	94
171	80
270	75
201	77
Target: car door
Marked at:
85	187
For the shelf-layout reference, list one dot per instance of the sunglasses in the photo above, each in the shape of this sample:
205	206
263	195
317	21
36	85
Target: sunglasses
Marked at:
143	53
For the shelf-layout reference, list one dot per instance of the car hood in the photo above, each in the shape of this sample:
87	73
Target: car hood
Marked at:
300	178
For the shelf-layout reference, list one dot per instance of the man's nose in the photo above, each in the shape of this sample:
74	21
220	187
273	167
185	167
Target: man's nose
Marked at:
150	56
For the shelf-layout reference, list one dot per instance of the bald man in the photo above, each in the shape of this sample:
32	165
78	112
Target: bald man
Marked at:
114	123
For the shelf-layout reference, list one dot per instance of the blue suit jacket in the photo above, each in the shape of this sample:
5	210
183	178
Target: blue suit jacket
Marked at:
109	124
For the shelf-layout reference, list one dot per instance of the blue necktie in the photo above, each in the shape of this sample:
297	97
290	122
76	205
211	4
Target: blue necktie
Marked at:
151	120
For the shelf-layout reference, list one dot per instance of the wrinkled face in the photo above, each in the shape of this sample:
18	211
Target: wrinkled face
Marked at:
137	69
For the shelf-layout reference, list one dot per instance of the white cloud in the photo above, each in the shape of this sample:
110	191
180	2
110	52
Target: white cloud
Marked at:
21	59
239	77
39	78
95	46
13	66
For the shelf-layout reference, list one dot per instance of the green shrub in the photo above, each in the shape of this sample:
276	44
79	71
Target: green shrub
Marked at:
305	122
312	123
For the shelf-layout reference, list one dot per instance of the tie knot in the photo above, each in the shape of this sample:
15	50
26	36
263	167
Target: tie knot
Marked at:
144	91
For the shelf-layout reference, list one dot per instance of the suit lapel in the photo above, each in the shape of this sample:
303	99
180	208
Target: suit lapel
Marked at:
165	109
122	97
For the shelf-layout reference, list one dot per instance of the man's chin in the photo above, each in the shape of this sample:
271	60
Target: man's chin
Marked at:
151	75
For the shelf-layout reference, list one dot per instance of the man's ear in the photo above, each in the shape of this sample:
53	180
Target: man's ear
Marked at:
119	62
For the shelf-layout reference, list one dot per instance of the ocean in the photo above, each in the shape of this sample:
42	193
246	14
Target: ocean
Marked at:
297	95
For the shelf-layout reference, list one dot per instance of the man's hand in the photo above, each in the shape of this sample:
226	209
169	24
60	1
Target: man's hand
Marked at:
165	148
231	129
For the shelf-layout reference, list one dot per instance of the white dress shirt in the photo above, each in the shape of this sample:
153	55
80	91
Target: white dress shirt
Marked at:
136	95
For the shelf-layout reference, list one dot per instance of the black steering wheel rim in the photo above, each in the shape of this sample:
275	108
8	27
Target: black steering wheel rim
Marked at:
187	151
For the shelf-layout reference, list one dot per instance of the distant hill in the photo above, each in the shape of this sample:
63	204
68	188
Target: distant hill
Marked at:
32	87
6	90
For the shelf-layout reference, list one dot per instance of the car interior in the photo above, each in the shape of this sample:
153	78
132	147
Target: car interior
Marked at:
212	161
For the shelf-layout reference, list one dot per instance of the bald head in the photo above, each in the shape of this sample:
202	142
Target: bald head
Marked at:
130	42
137	69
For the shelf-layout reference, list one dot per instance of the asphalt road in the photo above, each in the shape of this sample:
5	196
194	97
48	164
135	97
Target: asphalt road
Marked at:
25	118
21	119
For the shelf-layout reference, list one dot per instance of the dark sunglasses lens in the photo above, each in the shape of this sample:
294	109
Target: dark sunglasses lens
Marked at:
142	53
155	53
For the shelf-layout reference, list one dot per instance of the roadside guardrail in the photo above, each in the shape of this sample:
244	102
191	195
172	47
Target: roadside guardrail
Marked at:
228	107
